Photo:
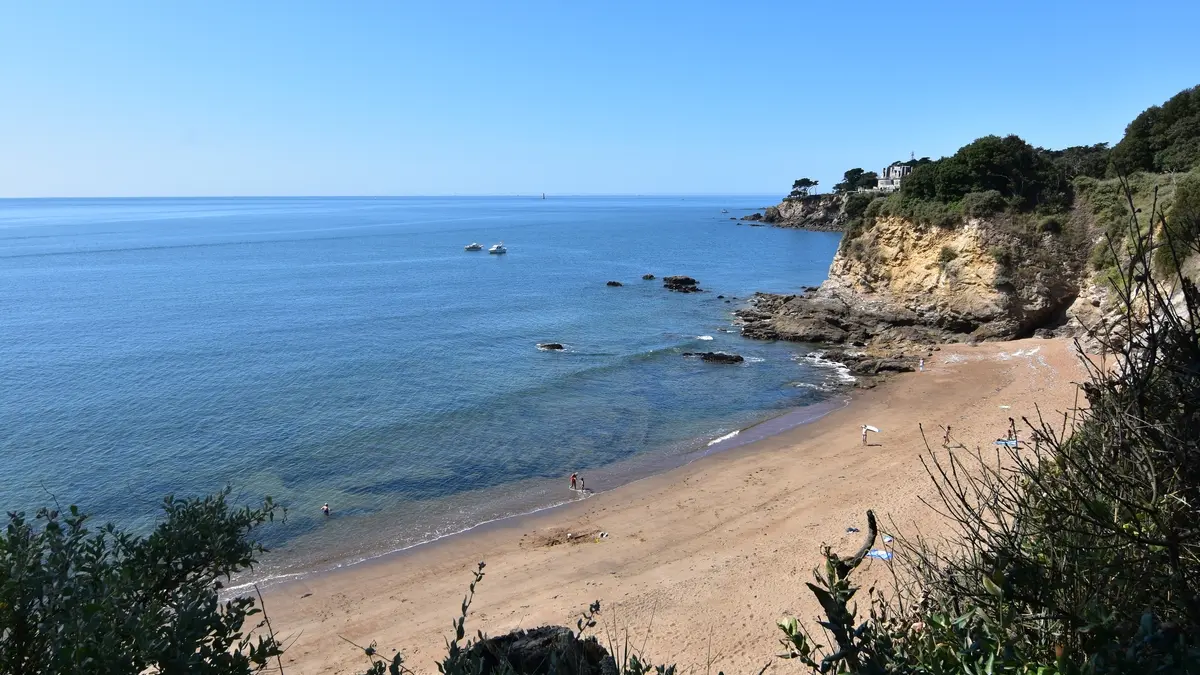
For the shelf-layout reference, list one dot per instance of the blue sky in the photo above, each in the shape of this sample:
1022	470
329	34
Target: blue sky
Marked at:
423	98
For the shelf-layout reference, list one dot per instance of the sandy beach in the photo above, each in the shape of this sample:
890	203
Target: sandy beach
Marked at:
701	561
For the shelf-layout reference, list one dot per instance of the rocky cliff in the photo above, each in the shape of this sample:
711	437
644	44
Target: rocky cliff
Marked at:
895	283
823	213
826	213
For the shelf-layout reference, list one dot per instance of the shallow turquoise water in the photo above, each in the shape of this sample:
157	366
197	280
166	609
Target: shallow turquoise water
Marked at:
349	351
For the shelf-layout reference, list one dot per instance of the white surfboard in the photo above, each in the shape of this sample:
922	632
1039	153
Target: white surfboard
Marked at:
871	428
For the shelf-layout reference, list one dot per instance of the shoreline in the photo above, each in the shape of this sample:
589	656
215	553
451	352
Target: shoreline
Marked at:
657	465
716	549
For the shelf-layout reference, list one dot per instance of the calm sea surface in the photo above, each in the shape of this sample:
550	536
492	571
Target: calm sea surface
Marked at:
349	351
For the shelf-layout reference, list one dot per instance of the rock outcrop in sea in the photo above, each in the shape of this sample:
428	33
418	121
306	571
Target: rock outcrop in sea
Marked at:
681	284
717	357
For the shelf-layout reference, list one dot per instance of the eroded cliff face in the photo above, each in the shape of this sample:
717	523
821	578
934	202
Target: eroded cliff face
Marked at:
898	282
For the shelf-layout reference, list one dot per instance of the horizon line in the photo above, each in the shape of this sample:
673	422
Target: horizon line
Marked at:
531	195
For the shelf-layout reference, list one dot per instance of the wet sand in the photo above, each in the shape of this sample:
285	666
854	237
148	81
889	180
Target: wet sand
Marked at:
700	561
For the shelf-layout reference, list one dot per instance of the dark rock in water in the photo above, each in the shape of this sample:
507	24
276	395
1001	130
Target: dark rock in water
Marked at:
553	346
717	357
614	283
681	284
720	297
540	651
753	216
648	277
727	302
731	218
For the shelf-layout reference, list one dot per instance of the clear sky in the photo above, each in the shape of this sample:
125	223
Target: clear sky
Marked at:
114	98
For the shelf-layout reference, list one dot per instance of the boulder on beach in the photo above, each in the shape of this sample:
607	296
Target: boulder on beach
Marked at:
717	357
550	346
680	284
614	283
648	277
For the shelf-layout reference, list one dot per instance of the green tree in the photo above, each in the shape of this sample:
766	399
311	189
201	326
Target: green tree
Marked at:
801	187
856	179
1082	160
1162	138
76	600
867	181
1021	173
849	181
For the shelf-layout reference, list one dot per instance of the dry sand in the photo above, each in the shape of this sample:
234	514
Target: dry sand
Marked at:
701	561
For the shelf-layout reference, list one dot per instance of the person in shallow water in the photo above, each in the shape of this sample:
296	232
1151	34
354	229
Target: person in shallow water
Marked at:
325	509
574	480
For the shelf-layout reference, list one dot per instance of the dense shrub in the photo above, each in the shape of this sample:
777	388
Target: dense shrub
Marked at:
1052	224
1182	224
78	600
983	204
857	203
947	255
875	207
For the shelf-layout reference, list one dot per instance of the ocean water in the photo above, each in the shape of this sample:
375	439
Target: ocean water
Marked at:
349	351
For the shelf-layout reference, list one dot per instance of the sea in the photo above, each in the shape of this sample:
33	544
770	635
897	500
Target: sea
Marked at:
349	351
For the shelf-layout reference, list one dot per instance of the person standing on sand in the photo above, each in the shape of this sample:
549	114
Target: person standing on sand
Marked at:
921	365
864	430
574	479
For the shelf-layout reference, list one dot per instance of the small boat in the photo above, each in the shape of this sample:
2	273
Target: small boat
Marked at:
498	248
474	247
724	210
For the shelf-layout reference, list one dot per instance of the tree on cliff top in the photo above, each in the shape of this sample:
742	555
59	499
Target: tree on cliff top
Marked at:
856	179
1025	176
75	600
1163	138
801	187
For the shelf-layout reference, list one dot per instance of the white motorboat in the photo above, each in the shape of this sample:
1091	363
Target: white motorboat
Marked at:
474	247
498	248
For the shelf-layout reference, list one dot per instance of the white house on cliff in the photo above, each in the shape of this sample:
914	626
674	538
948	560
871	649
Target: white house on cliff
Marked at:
890	177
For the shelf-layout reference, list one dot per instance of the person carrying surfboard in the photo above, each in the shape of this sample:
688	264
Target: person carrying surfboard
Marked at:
864	434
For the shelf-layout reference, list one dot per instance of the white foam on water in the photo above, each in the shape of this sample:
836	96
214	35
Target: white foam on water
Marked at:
754	359
841	371
726	437
704	337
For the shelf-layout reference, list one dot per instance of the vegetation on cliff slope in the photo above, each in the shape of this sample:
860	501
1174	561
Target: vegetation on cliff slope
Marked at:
1075	554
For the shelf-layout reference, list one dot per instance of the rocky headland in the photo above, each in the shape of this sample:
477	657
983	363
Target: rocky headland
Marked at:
822	213
897	288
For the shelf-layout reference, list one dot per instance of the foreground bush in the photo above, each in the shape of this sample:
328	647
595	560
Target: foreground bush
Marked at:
76	600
